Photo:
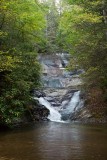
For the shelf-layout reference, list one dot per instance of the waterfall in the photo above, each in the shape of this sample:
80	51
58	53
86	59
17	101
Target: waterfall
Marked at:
54	114
60	87
73	104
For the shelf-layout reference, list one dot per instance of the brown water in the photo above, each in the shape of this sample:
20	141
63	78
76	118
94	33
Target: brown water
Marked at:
54	141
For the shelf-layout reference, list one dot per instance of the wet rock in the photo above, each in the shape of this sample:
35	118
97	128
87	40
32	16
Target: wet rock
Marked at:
64	104
38	93
68	95
40	113
54	101
50	99
81	114
65	117
55	104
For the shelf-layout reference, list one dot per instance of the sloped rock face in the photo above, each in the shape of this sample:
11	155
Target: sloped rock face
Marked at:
85	116
38	93
40	113
82	115
94	109
55	74
37	111
59	85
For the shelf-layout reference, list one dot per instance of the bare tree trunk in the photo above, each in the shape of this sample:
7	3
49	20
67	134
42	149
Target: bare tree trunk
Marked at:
105	15
2	22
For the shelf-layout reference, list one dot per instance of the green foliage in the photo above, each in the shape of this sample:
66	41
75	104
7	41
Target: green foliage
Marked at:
28	27
84	30
52	18
22	26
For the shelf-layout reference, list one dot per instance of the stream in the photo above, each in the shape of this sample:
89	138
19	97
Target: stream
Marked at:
55	141
59	138
61	94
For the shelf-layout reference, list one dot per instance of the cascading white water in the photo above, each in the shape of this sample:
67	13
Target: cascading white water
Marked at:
73	103
54	114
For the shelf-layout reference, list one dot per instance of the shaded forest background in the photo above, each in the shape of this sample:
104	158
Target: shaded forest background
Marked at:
29	28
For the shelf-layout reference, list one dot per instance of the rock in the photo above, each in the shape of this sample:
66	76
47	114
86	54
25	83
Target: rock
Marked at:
40	113
50	99
68	95
38	93
65	117
81	114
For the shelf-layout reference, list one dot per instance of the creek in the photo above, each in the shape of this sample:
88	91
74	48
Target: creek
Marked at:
55	141
61	94
59	138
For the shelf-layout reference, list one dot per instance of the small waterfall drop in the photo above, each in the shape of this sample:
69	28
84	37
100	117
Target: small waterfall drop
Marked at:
60	87
54	114
73	102
72	106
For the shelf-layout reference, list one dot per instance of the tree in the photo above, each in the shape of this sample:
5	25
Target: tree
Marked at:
52	20
22	26
85	38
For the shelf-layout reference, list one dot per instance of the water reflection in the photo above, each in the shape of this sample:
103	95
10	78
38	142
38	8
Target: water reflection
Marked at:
58	142
54	141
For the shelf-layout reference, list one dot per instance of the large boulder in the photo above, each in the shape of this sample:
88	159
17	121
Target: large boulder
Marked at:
40	113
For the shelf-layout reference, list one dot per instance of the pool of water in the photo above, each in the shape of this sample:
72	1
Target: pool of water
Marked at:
54	141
